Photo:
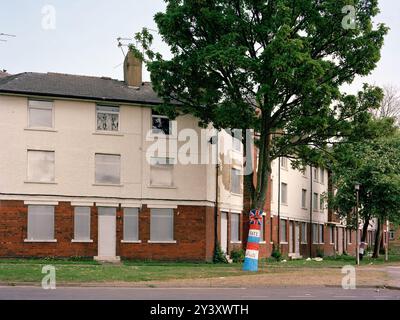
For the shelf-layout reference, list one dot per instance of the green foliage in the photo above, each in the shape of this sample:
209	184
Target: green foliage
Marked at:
276	254
374	164
275	67
320	252
219	255
238	255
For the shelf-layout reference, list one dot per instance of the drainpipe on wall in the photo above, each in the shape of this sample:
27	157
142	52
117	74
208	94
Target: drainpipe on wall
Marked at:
311	210
216	142
279	204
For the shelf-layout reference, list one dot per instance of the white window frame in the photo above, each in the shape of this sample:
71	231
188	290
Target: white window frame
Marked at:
127	214
321	236
316	174
304	233
152	238
321	203
304	193
322	176
31	238
315	233
237	228
284	201
155	131
76	239
95	170
285	240
28	179
41	108
284	163
108	112
315	202
239	176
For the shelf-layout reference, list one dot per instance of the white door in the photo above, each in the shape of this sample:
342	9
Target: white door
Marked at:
224	232
291	237
297	238
107	233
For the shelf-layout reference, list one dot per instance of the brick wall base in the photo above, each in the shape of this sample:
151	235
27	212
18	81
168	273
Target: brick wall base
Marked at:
193	232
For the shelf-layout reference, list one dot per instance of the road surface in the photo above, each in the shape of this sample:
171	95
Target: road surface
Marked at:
267	293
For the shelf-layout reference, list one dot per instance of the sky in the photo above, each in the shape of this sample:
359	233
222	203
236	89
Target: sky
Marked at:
80	37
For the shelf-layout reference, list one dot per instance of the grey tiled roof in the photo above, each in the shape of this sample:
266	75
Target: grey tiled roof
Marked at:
79	87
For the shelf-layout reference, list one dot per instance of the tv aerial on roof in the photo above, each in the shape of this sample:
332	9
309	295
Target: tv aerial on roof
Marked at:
6	35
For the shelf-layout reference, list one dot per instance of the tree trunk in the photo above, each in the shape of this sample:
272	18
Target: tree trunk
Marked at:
378	238
365	230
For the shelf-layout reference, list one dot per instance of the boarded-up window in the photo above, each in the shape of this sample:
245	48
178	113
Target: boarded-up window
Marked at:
235	218
40	223
82	224
131	224
41	166
162	225
108	169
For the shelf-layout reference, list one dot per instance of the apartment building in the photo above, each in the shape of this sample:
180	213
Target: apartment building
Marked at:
76	179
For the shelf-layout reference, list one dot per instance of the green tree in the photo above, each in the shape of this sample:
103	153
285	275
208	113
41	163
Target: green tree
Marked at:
374	163
272	66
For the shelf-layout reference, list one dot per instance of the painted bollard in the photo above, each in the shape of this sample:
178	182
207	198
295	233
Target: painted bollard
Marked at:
253	242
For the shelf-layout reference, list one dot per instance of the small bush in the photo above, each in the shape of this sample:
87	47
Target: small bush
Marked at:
237	256
320	253
276	254
219	255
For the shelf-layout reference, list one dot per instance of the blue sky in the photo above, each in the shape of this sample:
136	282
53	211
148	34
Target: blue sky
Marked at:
84	39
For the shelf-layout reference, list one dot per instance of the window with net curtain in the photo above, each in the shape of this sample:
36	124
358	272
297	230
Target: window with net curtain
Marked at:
40	223
107	118
131	224
40	114
161	225
235	225
41	166
108	168
82	224
161	172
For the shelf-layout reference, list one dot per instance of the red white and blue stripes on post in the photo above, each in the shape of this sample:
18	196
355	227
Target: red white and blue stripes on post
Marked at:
253	242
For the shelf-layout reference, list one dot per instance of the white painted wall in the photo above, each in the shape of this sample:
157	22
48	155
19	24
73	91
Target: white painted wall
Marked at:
297	181
75	142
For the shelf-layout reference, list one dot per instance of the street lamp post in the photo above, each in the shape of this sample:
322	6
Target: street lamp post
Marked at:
357	188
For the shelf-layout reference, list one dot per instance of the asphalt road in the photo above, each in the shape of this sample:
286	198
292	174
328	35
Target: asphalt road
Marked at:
269	293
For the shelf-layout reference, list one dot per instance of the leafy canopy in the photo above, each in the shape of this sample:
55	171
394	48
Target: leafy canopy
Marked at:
374	163
274	66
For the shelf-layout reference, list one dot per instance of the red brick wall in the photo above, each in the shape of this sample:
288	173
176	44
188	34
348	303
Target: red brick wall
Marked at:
193	231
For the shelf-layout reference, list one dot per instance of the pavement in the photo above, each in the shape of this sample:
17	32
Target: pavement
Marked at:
243	294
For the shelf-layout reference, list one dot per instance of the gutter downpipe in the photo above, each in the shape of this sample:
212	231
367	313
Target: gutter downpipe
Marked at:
279	204
311	211
216	193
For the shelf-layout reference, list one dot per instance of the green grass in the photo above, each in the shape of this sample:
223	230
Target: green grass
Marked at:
81	271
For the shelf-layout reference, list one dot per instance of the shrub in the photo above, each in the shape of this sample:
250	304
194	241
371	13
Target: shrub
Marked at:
219	255
237	255
276	254
320	253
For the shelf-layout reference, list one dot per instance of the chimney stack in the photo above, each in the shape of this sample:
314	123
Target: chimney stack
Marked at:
132	70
